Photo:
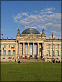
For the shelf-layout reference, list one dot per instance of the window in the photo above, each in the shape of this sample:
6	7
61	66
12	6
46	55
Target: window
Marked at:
14	46
13	52
56	46
61	52
3	58
47	52
0	45
4	46
9	46
9	52
9	57
61	46
48	46
57	53
4	52
0	52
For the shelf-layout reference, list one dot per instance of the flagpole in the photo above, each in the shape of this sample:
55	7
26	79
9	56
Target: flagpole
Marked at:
52	50
52	47
18	49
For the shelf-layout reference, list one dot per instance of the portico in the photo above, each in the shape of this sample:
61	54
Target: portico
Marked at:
30	49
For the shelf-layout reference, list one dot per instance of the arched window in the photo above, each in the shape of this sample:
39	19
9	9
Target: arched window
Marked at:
4	52
47	52
13	52
57	52
9	52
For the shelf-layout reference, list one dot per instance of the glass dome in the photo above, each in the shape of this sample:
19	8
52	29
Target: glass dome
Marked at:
30	31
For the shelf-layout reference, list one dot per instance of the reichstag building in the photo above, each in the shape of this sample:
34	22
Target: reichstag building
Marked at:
30	44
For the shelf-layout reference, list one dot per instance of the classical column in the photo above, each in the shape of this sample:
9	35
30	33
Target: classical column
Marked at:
28	49
43	52
16	51
19	49
23	49
38	49
54	50
2	51
50	49
58	49
6	50
33	50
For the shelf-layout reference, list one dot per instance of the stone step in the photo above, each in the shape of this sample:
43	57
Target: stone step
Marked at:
31	60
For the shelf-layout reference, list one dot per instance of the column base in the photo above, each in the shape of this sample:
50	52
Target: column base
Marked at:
38	57
33	56
27	56
23	56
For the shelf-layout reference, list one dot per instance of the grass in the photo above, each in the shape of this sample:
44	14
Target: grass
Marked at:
30	71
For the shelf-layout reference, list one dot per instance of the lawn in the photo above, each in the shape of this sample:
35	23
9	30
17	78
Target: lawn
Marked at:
30	71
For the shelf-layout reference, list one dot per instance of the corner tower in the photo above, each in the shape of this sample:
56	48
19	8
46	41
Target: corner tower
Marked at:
43	34
18	33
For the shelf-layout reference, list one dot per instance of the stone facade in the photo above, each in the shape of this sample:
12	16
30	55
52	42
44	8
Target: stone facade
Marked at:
44	47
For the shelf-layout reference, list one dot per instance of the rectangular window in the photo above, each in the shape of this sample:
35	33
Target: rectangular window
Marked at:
9	46
9	52
0	45
14	46
61	53
47	52
4	52
13	52
57	53
0	52
4	46
56	46
48	46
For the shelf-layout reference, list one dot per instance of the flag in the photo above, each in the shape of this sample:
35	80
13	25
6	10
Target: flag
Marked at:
1	34
12	48
52	35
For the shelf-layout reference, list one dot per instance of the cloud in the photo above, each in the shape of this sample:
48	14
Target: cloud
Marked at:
17	17
46	18
24	14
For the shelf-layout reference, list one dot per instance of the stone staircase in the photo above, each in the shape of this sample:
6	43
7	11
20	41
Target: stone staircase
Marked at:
32	60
